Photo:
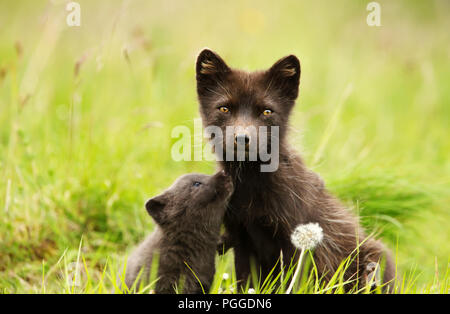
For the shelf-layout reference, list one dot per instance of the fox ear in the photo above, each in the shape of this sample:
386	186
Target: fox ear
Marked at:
155	207
210	63
284	76
210	69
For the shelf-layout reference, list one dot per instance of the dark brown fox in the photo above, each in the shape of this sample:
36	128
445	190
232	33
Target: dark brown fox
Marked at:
267	206
188	216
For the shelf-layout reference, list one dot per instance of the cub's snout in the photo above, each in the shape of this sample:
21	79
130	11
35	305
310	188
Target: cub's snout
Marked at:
223	183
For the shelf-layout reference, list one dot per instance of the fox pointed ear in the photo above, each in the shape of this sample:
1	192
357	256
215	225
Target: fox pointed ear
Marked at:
210	63
210	69
284	76
155	207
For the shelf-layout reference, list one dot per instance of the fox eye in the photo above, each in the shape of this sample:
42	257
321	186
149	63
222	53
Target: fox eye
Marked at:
224	109
196	184
267	112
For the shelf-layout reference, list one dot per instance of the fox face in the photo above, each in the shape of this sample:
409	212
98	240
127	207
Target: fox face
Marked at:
245	105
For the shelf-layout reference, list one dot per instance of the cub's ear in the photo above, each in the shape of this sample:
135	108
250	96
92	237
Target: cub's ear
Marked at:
210	69
155	207
284	77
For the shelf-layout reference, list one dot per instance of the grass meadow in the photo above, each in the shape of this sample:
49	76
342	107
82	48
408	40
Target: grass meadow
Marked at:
86	115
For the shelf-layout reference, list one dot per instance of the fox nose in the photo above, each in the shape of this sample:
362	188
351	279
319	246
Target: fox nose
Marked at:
242	138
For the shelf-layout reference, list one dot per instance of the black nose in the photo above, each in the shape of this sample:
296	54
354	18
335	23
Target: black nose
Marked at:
242	138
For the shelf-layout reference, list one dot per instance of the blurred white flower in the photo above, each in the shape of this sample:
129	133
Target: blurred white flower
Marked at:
373	278
251	291
225	276
307	236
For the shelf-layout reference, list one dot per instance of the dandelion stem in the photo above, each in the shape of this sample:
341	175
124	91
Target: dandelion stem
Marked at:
297	271
282	265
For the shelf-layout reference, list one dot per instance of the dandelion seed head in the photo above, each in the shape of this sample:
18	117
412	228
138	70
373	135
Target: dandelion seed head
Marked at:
251	291
307	236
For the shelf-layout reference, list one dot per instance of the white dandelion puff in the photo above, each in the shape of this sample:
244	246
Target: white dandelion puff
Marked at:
251	291
225	276
305	237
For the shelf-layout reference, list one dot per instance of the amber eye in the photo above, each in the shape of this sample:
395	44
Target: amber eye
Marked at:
267	112
224	109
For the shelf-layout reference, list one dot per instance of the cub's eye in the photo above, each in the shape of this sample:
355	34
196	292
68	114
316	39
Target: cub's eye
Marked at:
196	184
224	109
267	112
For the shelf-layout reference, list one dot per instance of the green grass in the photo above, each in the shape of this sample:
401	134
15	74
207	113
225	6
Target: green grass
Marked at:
86	115
78	277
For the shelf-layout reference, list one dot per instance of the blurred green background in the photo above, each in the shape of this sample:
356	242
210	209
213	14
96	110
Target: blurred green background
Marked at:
86	115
